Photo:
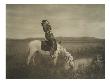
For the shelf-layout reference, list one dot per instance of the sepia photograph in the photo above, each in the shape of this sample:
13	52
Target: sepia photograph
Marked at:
55	41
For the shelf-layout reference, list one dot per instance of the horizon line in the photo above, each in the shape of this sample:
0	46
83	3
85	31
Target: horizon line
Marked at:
56	37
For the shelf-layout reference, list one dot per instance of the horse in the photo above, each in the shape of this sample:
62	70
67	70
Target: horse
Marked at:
34	48
62	58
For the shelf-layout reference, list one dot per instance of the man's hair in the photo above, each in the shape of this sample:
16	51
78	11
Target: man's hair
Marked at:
44	20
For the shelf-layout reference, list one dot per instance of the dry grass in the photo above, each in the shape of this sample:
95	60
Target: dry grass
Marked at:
16	62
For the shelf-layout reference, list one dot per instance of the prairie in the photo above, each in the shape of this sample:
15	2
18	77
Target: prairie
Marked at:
16	54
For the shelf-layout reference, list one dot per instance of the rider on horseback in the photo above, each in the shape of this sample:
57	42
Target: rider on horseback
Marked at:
49	35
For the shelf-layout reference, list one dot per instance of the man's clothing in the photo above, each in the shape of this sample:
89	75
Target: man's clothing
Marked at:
51	42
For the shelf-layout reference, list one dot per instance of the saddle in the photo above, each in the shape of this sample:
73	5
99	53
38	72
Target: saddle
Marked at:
48	45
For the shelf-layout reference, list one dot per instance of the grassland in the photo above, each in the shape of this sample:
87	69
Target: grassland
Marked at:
16	54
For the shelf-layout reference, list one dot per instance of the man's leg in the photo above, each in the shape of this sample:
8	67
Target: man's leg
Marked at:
52	51
50	38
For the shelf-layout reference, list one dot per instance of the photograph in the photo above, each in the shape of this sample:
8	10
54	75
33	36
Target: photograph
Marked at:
55	41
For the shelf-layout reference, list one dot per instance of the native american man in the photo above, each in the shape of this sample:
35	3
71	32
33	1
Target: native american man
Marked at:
49	35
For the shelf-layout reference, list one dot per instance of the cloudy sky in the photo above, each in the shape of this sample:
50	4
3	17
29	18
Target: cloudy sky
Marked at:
24	21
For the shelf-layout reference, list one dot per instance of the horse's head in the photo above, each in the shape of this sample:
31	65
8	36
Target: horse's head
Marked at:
60	51
63	57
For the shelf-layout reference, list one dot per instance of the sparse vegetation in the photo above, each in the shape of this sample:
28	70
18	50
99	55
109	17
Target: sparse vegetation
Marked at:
17	53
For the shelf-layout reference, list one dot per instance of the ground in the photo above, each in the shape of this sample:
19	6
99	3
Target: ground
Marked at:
16	54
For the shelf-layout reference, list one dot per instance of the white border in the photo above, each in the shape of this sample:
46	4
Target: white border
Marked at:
2	41
55	1
3	33
107	40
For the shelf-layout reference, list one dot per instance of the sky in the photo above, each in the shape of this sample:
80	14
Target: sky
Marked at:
67	20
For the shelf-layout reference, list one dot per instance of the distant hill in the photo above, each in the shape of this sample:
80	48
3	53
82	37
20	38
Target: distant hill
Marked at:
64	39
79	39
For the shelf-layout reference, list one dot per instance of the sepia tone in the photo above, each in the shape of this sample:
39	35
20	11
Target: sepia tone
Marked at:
80	28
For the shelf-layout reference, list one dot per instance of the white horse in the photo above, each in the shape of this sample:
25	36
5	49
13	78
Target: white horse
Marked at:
62	58
34	48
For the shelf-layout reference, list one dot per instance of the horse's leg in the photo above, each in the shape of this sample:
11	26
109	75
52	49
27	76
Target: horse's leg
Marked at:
29	57
34	57
55	58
